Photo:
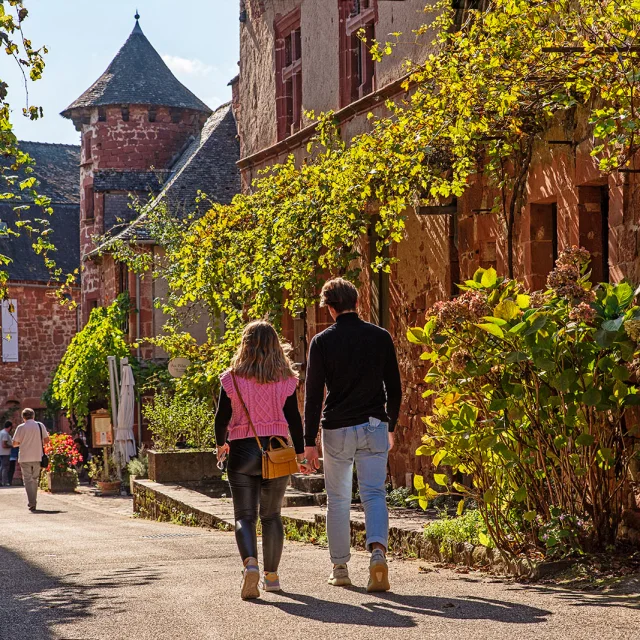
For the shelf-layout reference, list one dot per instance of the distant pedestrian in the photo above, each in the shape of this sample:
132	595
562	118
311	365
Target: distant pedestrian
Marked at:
356	362
30	436
258	408
13	461
6	444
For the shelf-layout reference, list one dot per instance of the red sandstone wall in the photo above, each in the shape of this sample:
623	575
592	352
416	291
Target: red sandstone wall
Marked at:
45	329
136	144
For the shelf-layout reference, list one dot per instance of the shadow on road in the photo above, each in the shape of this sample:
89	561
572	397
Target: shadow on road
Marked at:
577	598
393	610
33	601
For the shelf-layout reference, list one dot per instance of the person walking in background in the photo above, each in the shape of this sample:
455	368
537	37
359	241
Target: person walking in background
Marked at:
30	436
356	362
13	460
257	404
6	444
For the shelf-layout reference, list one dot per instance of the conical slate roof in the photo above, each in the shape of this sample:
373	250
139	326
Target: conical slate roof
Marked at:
137	75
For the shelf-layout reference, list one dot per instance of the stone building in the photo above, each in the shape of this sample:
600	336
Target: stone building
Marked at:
36	329
143	135
301	55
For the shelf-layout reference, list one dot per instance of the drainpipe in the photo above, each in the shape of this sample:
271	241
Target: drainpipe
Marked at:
138	354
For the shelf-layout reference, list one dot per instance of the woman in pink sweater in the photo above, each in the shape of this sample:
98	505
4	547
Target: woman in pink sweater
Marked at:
266	381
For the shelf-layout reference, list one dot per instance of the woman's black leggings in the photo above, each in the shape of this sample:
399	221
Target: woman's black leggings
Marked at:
252	493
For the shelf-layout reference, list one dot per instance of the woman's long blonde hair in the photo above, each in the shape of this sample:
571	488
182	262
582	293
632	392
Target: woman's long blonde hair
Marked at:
261	356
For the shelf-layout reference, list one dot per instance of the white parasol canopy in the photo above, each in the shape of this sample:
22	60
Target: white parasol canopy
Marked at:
125	445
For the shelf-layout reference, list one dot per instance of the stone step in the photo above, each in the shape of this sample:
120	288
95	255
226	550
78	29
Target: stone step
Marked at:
312	483
294	498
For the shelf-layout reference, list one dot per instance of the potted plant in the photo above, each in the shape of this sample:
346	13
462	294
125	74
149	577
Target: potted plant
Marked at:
105	473
183	439
63	457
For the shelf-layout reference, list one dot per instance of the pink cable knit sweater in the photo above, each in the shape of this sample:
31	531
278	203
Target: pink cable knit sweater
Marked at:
265	403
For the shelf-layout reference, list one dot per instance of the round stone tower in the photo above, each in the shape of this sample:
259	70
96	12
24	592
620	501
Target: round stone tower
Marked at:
135	121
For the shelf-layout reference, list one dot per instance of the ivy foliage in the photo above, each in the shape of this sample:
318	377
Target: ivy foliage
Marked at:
82	377
478	98
531	395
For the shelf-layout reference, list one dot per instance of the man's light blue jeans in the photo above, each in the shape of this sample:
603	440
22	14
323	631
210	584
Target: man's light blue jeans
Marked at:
368	446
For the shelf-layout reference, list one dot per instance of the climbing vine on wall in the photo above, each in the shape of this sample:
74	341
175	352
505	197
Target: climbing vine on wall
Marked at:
475	105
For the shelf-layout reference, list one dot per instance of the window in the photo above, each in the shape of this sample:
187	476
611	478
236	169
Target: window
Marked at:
86	144
379	285
153	113
4	227
102	114
288	74
593	228
541	248
89	207
9	330
357	69
125	114
123	287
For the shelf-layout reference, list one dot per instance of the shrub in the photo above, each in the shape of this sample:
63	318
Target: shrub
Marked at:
401	497
139	467
174	418
448	531
104	469
531	396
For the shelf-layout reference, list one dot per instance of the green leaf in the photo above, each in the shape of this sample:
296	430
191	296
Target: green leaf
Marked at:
523	301
489	496
507	310
620	373
460	509
415	335
484	539
491	328
516	356
440	479
585	440
536	325
521	494
591	397
530	516
566	379
489	278
498	404
424	450
624	293
418	482
437	459
613	325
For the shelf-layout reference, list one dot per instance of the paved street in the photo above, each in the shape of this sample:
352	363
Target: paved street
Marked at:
81	569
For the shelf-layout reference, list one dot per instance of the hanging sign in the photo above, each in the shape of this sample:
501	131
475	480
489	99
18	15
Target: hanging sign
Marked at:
177	366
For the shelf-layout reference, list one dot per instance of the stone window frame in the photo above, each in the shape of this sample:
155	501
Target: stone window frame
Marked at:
89	203
288	58
357	68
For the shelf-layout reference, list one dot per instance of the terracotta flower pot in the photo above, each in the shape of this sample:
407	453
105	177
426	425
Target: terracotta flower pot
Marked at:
62	482
109	488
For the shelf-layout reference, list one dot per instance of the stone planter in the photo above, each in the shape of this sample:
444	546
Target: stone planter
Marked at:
65	482
183	466
109	488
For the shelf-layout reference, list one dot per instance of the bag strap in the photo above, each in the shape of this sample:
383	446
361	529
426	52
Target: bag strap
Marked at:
244	406
40	427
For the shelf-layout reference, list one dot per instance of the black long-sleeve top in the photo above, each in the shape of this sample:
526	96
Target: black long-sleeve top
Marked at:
291	414
357	362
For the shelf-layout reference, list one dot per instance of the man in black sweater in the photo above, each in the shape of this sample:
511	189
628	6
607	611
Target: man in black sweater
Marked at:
356	362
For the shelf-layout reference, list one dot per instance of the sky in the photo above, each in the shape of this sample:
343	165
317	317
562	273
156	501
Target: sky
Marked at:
198	40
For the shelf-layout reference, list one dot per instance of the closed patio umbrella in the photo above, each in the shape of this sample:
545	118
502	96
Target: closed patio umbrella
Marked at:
125	445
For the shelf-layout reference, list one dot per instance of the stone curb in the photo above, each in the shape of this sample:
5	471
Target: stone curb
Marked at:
173	503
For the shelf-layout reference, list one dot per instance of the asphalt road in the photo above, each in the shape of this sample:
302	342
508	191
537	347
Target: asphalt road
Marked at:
80	569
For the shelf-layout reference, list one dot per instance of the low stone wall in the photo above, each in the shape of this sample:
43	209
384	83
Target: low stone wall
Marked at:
163	503
183	466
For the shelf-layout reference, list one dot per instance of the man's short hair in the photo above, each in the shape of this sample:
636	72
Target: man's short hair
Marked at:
28	414
8	424
339	294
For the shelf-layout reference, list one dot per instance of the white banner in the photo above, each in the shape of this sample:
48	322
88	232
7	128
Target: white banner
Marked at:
10	330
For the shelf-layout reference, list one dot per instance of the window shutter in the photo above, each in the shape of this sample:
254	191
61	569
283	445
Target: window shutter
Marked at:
10	330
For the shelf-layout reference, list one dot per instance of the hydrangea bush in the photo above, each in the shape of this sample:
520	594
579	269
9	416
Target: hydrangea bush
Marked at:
532	397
